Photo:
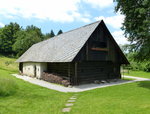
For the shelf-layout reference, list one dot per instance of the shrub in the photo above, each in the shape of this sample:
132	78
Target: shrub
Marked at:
7	87
142	66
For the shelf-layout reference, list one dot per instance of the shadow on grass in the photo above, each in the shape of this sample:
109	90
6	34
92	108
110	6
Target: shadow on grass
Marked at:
144	84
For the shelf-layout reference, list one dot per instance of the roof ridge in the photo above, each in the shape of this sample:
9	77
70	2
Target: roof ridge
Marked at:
68	31
78	28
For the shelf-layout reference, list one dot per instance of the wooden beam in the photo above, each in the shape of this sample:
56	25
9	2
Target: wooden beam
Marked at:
69	72
87	51
76	75
99	49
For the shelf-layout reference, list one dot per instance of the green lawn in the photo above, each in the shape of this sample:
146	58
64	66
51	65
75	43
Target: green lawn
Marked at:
130	98
138	74
133	98
31	99
8	63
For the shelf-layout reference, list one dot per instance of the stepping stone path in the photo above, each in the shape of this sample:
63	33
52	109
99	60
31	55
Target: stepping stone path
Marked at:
69	103
66	109
71	100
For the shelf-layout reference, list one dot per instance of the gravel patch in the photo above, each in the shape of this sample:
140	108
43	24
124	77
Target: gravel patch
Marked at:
79	88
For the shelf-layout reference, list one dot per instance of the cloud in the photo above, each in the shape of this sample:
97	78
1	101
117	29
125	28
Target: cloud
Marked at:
119	37
1	25
99	3
114	21
54	10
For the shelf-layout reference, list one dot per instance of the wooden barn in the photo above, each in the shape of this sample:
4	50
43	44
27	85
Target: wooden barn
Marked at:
82	55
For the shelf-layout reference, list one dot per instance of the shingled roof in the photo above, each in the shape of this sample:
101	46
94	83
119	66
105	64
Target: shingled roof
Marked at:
61	48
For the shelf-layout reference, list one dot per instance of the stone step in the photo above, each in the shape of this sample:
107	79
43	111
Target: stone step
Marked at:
66	109
69	104
71	100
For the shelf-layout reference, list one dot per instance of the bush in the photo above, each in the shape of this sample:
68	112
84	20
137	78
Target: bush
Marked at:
147	67
7	87
142	66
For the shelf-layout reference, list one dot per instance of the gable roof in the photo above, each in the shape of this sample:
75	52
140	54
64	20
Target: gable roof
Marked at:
61	48
125	60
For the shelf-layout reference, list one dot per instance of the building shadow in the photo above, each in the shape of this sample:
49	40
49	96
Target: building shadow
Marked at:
144	84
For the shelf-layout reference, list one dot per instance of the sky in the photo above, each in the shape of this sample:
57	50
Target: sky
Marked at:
62	14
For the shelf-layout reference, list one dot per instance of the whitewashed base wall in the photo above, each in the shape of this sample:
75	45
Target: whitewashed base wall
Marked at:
29	69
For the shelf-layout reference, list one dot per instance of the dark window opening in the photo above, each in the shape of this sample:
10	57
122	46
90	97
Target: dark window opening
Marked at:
97	44
82	70
101	69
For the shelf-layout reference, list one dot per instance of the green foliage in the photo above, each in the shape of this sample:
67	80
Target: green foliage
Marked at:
60	32
26	38
52	33
8	37
136	25
136	65
49	35
15	41
7	86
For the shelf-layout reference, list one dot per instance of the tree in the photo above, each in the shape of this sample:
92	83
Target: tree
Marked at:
26	38
49	35
35	29
136	25
60	32
8	37
52	33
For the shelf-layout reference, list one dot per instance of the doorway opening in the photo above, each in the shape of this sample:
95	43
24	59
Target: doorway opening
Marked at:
34	70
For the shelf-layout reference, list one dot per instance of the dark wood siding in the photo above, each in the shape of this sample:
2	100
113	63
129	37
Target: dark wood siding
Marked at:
99	47
90	71
65	70
98	41
98	59
60	68
81	56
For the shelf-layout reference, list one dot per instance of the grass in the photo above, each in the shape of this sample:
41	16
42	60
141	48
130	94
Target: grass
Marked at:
28	98
138	74
7	86
31	98
130	98
8	64
128	79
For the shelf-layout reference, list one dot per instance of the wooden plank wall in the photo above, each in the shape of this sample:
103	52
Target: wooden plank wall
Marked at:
65	70
97	37
91	71
60	68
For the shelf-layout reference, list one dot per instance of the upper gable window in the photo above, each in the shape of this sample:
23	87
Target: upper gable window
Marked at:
98	44
99	39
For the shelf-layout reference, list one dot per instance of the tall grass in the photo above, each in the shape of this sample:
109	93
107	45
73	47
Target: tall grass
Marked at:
7	63
7	86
